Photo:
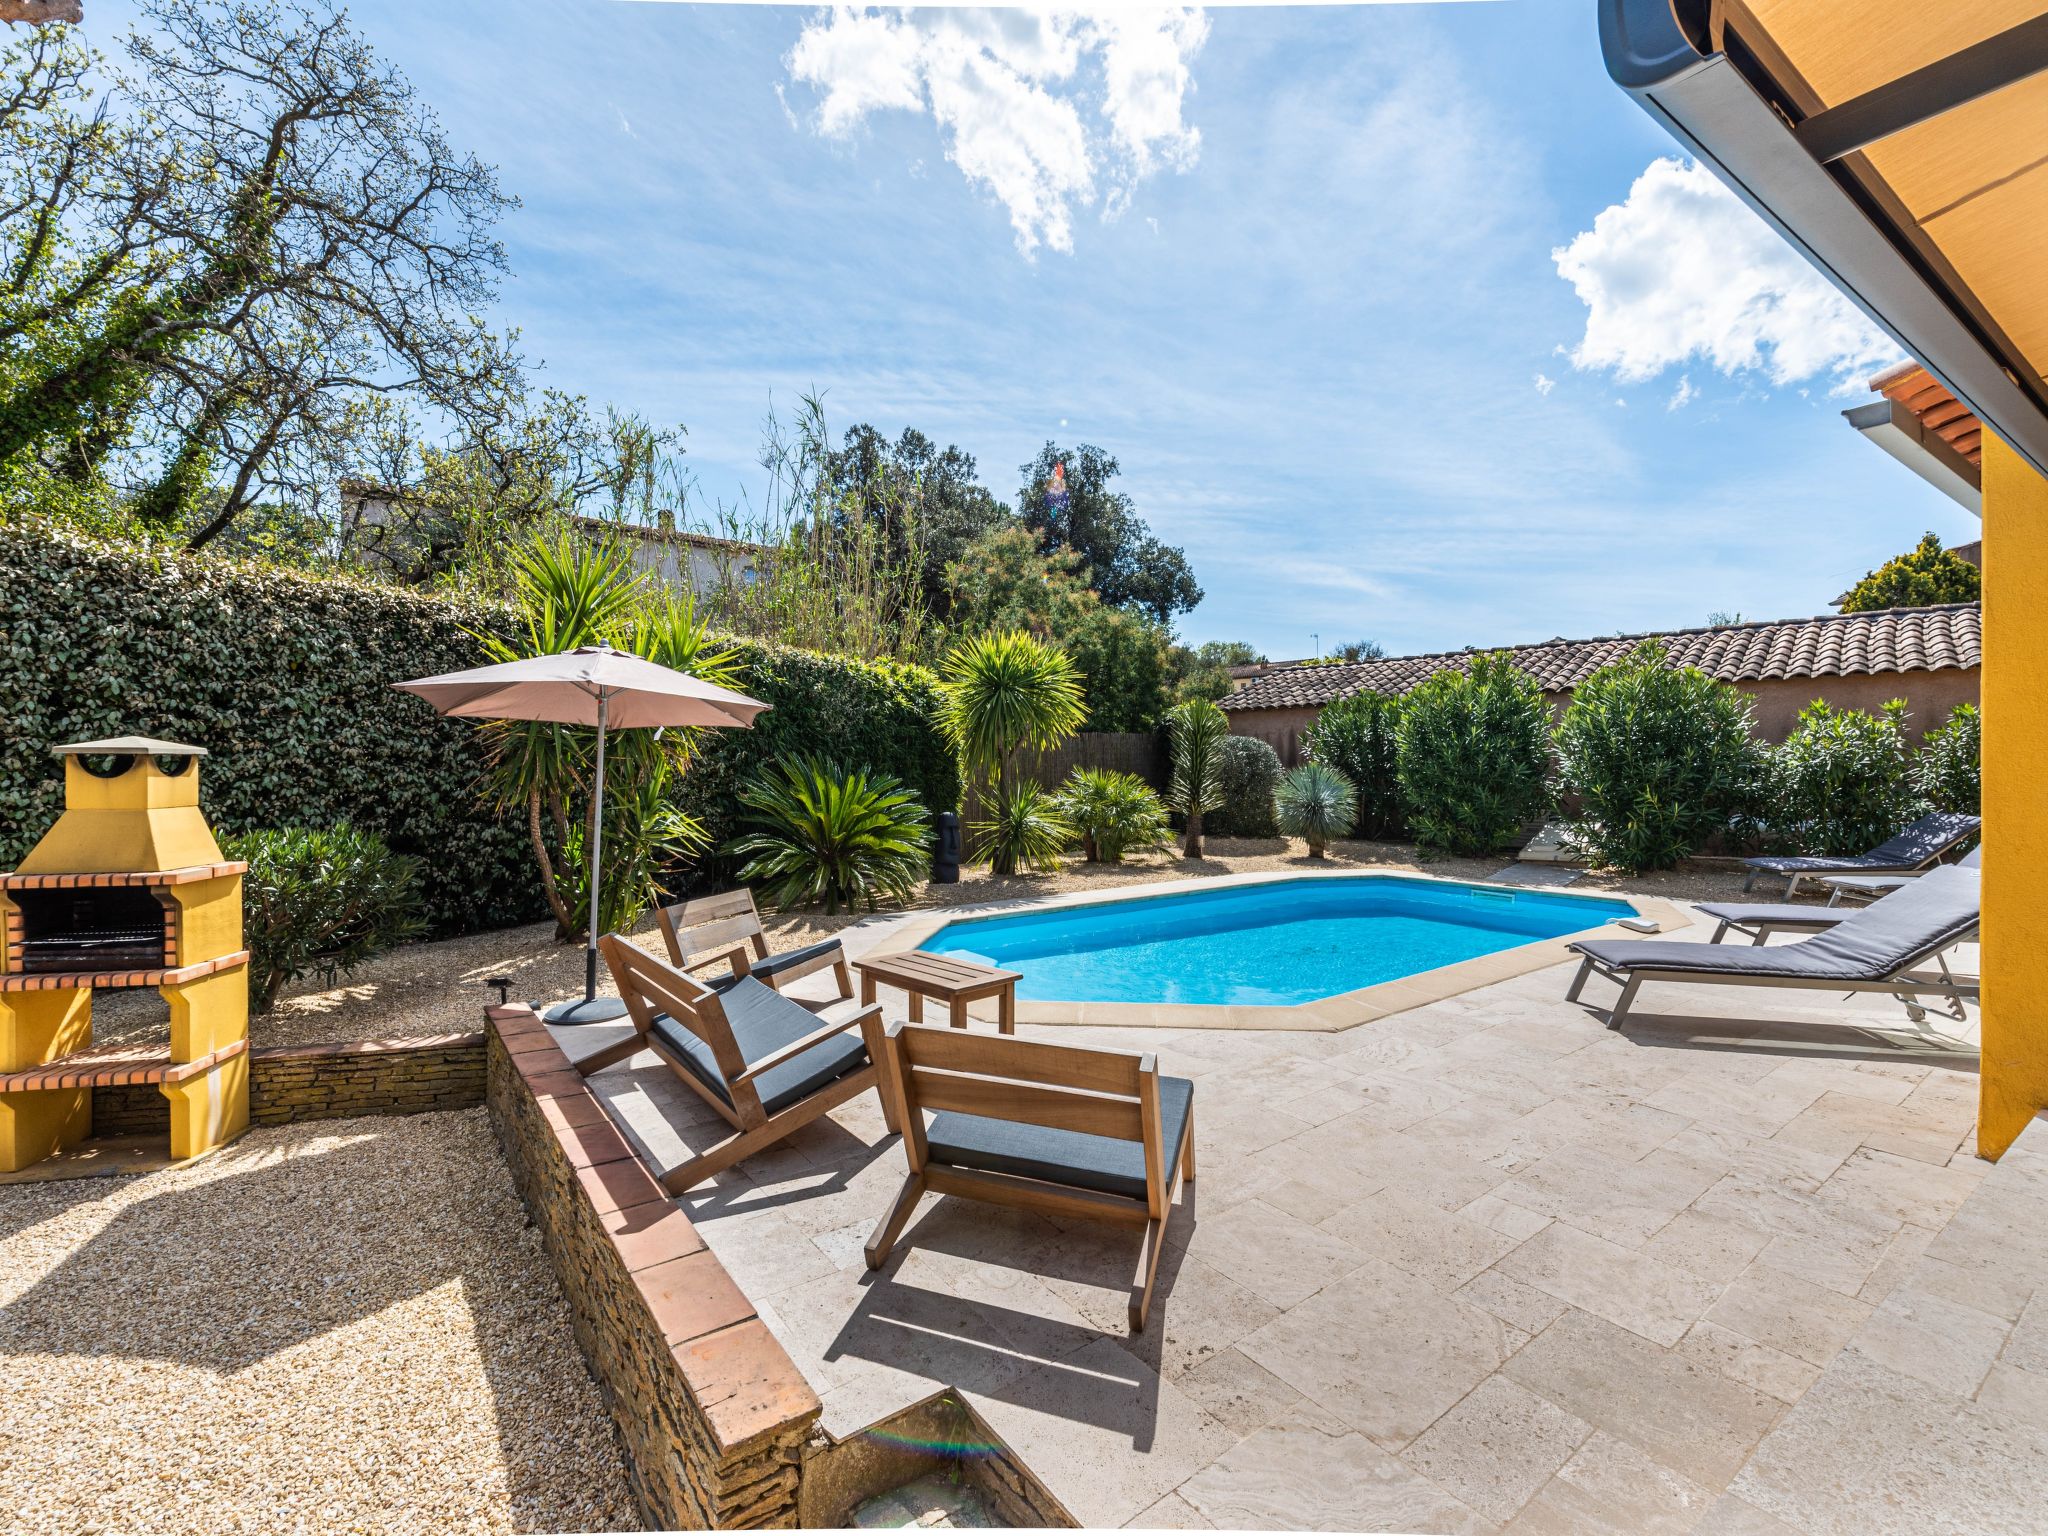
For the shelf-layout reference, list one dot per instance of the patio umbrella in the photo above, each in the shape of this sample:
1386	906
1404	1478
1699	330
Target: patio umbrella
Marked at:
592	685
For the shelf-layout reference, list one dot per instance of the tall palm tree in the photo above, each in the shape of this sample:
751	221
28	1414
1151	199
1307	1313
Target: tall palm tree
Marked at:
1196	730
1002	693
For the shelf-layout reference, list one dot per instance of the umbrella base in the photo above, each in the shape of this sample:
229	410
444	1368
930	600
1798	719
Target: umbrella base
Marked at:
597	1010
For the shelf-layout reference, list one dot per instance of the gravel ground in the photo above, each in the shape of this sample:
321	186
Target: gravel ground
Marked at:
344	1326
427	989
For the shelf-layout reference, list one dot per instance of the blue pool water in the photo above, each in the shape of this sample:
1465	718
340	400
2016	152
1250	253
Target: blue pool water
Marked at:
1277	943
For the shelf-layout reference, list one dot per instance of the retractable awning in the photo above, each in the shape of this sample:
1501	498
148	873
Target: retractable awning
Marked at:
1901	144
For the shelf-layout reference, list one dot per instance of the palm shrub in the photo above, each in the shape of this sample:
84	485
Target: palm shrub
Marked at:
1474	749
1249	771
320	900
1661	758
1317	804
1026	827
1115	813
1842	781
999	694
1196	731
831	836
1359	736
1948	771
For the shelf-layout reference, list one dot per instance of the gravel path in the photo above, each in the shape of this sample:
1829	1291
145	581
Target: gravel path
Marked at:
428	989
344	1326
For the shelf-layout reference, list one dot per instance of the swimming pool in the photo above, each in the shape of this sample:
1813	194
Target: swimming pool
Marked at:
1274	943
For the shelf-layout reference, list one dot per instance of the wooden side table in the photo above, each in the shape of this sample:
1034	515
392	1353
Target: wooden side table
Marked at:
944	979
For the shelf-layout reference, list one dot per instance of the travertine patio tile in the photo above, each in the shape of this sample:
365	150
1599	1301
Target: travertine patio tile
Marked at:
1394	1099
1732	1516
1497	1447
1241	1394
1641	1294
1517	1221
1270	1254
1844	1077
2001	1291
1520	1306
1715	1249
1678	1412
1903	1256
1385	1351
1480	1129
2021	1396
1172	1513
1920	1194
1105	1433
1624	1202
1610	1122
766	1254
1949	1346
1609	1488
1300	1477
1871	1452
1806	1321
1196	1311
1423	1239
1742	1358
1759	1108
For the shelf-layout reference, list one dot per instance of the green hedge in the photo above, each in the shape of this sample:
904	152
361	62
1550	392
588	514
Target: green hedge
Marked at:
285	679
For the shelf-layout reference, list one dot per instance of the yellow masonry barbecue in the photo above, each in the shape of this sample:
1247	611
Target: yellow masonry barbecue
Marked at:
128	889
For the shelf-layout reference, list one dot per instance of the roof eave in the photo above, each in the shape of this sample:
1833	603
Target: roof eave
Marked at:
1905	437
1711	109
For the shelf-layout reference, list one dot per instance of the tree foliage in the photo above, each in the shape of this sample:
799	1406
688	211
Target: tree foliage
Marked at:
926	500
320	900
1842	780
1473	754
1661	757
1925	574
1248	770
1127	566
1203	671
1949	770
1359	736
1003	693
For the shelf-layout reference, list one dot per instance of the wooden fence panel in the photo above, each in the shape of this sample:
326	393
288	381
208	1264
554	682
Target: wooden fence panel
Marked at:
1135	752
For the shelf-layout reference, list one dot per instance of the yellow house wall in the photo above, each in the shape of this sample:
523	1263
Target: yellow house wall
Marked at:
2014	1079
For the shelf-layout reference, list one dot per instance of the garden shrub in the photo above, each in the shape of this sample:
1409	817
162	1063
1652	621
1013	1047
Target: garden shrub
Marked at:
1474	749
825	835
1315	803
1948	772
1115	814
1662	758
1842	781
320	900
1024	826
285	678
1360	737
1248	771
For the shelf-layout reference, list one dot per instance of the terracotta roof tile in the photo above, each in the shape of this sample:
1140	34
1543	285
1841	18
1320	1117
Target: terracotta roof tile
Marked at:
1833	645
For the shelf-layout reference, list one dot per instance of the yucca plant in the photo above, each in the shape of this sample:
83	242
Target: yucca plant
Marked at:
831	836
1115	813
1026	829
1196	731
1317	804
1000	694
320	900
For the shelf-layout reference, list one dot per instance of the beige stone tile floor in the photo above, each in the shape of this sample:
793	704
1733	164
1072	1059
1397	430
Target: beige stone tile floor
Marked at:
1483	1265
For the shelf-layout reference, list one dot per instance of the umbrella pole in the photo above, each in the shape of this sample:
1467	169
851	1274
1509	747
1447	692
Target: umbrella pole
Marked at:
596	862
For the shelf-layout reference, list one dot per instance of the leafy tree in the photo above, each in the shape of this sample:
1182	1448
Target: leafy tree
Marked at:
1002	693
1842	781
255	232
1359	736
1203	671
1473	753
928	501
1925	574
1661	758
1357	650
1123	661
1196	732
1949	770
1126	564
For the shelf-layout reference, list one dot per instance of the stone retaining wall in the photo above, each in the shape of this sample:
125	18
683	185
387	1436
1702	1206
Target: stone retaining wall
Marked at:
712	1414
290	1083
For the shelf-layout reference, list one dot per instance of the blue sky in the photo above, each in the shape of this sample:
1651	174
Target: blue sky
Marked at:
1307	293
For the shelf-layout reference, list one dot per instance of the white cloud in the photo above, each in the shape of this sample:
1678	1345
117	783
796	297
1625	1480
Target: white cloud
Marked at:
1545	383
1683	271
1043	111
1682	396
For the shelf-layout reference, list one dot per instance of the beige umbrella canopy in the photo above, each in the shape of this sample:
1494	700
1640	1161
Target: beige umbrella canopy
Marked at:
592	685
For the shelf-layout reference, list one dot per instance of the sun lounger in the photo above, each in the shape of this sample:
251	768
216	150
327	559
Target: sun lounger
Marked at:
1921	844
1098	1135
1758	920
1870	887
1873	949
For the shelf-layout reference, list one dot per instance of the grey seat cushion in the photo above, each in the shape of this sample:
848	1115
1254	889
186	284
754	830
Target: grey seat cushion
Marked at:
1775	912
776	964
1872	943
1073	1158
1925	840
763	1022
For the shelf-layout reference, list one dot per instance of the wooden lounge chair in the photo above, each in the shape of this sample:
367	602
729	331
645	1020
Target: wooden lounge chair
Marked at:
1921	845
708	930
1072	1132
1872	949
763	1061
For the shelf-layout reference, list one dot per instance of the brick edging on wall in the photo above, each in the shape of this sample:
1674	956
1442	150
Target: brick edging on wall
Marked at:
326	1081
712	1413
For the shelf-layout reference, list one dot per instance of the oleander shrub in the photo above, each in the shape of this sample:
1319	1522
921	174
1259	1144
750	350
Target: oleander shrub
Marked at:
1247	773
1360	737
1842	781
1948	770
1114	813
827	836
1473	756
1315	803
320	901
1662	758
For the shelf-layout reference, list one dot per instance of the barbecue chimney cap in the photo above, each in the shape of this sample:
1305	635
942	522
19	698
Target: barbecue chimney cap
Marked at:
129	746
